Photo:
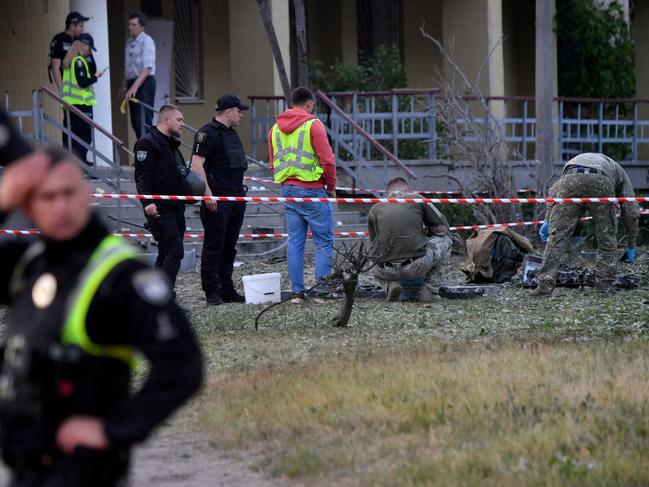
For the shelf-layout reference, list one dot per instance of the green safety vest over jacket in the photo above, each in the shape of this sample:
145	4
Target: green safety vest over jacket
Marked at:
293	154
71	91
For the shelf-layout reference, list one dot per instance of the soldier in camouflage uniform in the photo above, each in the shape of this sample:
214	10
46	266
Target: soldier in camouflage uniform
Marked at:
590	176
410	242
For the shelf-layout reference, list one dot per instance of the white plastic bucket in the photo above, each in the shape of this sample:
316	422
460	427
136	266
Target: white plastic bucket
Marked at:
262	288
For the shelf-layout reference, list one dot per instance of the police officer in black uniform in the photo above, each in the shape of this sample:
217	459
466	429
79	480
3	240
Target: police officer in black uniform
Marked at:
61	42
160	169
219	157
81	305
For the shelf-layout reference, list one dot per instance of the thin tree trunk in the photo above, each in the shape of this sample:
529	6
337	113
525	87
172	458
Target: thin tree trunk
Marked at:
266	17
544	88
349	290
302	48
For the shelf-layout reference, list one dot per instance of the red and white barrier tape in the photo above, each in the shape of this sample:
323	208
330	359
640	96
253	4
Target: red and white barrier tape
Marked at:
336	234
284	235
365	190
276	199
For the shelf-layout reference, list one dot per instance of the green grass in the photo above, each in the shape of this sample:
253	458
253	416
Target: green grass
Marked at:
501	390
470	414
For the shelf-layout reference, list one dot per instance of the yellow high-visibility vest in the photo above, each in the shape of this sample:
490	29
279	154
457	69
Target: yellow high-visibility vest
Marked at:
293	154
71	92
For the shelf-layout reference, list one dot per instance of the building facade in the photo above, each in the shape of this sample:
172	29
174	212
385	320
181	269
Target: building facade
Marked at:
206	48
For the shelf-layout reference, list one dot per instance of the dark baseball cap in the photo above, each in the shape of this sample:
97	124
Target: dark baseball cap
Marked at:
75	18
87	38
230	101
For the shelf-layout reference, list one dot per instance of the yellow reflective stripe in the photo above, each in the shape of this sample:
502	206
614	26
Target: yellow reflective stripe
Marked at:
71	92
110	252
294	154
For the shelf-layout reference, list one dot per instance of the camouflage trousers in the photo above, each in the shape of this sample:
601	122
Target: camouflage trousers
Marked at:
564	218
427	266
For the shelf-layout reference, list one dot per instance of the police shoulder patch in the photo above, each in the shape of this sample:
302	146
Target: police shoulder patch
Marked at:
141	155
200	137
153	287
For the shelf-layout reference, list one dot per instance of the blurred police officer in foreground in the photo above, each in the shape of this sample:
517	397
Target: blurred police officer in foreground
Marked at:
591	176
82	307
219	157
160	169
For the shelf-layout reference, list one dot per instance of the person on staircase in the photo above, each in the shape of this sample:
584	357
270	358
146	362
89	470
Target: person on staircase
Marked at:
79	76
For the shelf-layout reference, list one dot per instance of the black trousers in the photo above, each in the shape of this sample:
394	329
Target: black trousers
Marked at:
86	468
219	246
79	128
169	229
139	114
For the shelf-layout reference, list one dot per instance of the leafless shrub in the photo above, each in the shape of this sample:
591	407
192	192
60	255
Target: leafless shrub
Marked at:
471	134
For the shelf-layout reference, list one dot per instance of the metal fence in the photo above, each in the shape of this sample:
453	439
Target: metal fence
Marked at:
406	122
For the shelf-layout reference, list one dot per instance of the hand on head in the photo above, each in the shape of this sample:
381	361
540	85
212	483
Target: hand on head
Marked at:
21	178
49	186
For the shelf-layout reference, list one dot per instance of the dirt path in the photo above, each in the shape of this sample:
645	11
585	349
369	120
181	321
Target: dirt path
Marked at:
174	458
185	459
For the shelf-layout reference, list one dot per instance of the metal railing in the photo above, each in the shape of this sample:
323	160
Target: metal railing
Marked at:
406	122
355	149
44	119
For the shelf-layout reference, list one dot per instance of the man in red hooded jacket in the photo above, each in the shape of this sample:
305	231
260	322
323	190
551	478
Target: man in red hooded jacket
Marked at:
303	162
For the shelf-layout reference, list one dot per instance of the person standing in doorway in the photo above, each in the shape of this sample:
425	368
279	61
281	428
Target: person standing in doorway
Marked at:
302	161
139	73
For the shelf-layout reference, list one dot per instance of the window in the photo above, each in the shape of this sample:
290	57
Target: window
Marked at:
186	51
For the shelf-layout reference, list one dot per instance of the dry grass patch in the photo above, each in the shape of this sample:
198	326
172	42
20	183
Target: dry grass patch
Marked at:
475	414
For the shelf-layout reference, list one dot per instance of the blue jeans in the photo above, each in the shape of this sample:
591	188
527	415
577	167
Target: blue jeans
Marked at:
318	217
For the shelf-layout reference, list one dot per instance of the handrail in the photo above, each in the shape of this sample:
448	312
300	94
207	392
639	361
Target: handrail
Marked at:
418	91
372	141
83	116
262	97
396	91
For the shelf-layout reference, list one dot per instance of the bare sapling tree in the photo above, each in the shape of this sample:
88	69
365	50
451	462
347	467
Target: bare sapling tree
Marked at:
351	262
472	135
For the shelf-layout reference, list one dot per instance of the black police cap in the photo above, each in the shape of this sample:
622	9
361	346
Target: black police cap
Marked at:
87	38
75	18
230	101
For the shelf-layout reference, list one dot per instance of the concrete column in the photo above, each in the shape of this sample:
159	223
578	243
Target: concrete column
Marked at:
421	56
544	91
471	28
349	37
97	26
252	67
281	21
641	32
496	65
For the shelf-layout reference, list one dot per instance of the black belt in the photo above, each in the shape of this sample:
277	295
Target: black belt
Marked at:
581	170
400	263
